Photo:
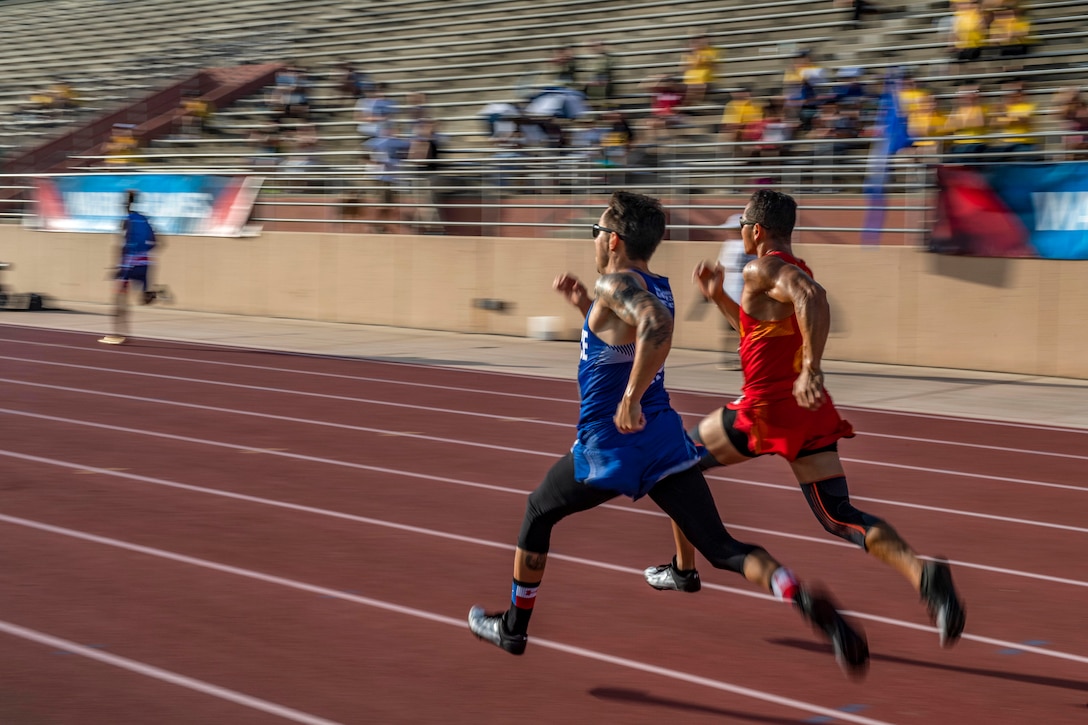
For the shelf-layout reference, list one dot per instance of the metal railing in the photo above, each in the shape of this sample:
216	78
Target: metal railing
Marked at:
557	192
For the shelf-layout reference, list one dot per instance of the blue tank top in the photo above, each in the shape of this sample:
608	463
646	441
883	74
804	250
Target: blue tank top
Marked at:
604	370
139	239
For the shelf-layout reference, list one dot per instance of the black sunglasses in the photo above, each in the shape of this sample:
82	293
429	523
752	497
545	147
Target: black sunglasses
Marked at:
597	229
745	223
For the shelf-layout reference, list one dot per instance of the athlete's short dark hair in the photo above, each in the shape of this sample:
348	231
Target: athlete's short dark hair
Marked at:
639	221
776	212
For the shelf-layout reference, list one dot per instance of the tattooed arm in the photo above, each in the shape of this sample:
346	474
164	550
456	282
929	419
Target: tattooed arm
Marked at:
627	297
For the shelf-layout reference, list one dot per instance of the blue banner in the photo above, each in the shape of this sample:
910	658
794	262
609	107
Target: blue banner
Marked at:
175	203
1013	210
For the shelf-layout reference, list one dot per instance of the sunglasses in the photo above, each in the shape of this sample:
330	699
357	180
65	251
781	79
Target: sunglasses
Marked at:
746	223
597	229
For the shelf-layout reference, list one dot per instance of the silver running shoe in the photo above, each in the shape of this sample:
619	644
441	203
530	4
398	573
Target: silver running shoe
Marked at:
490	628
668	578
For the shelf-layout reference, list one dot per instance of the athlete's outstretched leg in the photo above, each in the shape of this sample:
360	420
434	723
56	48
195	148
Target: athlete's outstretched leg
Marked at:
829	498
558	496
686	498
720	443
120	315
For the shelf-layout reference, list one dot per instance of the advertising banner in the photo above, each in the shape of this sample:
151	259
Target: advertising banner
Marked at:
1013	210
196	204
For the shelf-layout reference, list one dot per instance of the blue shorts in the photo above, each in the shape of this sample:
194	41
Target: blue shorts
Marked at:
136	273
631	463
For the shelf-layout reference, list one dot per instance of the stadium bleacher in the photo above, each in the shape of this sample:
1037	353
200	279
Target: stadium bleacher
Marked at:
464	56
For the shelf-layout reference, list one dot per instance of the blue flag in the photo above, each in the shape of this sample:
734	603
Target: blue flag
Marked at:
894	135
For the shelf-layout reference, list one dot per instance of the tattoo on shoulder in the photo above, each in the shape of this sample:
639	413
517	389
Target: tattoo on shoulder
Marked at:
636	306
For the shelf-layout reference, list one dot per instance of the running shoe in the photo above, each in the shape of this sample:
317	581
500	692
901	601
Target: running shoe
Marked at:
668	578
850	645
112	340
491	628
945	607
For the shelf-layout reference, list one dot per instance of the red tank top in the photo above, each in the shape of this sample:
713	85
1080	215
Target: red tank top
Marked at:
770	350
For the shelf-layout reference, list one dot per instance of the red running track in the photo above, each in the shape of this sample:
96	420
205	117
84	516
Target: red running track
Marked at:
201	534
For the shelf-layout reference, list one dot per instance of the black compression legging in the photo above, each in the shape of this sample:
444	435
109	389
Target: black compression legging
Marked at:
684	496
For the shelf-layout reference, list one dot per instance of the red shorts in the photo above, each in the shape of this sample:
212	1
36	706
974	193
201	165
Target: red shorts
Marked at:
785	428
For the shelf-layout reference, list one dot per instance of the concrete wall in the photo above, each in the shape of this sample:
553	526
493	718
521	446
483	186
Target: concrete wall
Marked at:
894	305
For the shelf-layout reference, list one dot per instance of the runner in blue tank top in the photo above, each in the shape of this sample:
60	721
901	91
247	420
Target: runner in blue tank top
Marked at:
134	268
631	442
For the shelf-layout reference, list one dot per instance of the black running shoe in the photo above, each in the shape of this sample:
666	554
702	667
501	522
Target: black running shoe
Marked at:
491	628
945	607
668	577
851	647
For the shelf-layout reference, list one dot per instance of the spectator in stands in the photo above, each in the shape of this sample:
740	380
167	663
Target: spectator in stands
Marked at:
385	153
857	10
500	119
617	139
911	94
1010	32
1015	114
423	154
925	122
374	113
1073	113
121	149
741	122
584	141
668	96
968	30
966	122
645	155
776	131
803	68
195	115
268	140
851	86
565	67
803	104
700	63
290	97
352	82
416	111
600	71
835	129
301	144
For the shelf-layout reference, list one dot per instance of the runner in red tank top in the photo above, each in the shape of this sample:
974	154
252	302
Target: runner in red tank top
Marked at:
783	318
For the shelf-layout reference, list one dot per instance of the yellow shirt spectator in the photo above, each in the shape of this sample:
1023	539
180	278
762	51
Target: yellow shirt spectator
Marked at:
700	66
1017	117
925	123
968	25
1008	29
742	112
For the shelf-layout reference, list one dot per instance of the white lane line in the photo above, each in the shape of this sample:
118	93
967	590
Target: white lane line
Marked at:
315	373
455	441
718	396
439	619
281	391
980	446
581	561
983	476
826	541
920	507
157	673
288	418
961	419
380	469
